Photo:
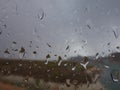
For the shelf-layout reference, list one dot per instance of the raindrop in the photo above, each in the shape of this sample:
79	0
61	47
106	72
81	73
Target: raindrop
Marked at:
89	27
34	52
65	55
113	56
75	82
22	52
73	68
117	47
49	45
14	42
41	14
67	47
59	58
85	64
48	70
68	82
108	43
106	66
20	65
0	32
47	58
65	64
7	51
75	51
55	55
97	56
115	76
115	33
59	63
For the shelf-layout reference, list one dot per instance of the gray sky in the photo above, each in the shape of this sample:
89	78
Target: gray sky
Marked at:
87	26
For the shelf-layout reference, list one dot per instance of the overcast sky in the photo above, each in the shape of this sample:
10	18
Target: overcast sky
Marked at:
87	26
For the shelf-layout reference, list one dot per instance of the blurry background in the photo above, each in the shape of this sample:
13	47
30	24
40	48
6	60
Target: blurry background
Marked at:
63	27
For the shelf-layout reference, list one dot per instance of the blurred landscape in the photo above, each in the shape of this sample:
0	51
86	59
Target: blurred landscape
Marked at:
29	74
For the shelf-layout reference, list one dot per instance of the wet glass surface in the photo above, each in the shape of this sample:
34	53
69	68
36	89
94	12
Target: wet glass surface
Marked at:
59	45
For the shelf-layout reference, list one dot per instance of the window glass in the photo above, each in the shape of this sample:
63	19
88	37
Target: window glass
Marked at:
59	44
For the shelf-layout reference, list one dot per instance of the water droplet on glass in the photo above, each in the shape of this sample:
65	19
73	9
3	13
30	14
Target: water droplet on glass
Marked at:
13	44
22	52
6	54
59	60
0	32
97	56
75	82
20	65
89	27
48	45
115	32
106	66
118	48
34	54
108	43
68	82
48	70
47	58
6	51
115	76
85	64
59	63
73	68
41	14
67	48
84	41
65	64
